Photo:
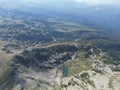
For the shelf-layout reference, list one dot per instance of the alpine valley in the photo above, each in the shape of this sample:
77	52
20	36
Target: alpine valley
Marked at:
69	46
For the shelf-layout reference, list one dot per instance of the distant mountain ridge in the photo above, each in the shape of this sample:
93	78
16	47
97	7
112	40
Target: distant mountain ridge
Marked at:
102	15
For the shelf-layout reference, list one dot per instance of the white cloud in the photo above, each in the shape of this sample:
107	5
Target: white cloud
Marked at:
95	2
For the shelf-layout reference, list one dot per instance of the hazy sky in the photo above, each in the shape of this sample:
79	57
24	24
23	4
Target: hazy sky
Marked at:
19	3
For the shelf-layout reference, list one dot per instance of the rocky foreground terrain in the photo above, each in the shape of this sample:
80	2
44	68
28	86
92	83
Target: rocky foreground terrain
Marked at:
62	66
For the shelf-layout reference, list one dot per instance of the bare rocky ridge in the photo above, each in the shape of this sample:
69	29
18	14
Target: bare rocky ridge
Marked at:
99	77
40	66
40	69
